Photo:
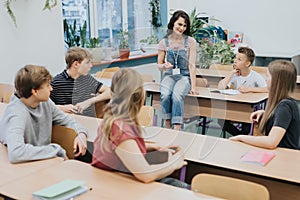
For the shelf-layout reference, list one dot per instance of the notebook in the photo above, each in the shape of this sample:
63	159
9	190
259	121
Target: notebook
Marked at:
227	91
63	190
258	157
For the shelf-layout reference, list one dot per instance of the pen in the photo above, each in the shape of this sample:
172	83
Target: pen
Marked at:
244	83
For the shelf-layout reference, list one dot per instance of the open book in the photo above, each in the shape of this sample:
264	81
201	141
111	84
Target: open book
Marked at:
258	157
227	91
63	190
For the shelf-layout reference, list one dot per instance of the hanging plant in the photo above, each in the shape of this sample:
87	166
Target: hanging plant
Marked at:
155	12
49	4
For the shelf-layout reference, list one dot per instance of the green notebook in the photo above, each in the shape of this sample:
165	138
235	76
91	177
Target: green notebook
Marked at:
63	190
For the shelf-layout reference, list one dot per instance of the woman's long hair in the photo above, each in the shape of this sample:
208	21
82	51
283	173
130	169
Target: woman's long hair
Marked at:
174	18
127	98
283	83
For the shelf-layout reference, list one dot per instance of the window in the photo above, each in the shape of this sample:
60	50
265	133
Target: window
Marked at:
106	17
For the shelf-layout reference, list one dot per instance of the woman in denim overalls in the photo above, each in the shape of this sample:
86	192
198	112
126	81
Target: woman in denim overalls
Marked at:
176	58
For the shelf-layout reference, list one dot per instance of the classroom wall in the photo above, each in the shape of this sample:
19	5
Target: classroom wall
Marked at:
270	27
37	39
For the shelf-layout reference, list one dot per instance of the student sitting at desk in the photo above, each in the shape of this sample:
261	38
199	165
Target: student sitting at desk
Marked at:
74	89
245	80
280	122
119	144
27	121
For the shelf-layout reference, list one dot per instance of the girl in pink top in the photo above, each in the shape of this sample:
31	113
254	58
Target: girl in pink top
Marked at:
119	144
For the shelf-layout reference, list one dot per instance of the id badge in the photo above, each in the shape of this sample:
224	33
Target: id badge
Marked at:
176	71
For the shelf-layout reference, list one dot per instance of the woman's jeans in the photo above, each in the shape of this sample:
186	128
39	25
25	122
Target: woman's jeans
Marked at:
173	90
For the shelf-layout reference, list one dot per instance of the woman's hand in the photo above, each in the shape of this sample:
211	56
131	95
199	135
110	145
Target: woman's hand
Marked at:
167	65
194	91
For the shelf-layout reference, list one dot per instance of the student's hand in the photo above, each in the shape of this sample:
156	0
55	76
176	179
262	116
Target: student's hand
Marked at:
83	105
80	145
244	89
66	158
236	71
178	159
194	91
68	108
237	138
167	65
256	116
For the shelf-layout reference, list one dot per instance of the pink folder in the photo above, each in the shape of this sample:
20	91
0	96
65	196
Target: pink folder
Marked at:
258	157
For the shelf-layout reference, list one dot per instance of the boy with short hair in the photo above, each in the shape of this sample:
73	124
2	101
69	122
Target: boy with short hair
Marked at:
242	77
74	89
245	80
26	125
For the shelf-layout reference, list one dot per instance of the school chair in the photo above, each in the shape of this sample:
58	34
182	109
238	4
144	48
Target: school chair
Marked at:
6	90
228	188
65	137
107	72
99	108
146	115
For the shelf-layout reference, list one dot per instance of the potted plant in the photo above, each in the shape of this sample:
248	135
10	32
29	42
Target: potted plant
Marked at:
209	52
95	48
124	49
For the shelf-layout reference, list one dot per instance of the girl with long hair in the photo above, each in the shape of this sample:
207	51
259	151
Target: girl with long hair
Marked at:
279	124
119	144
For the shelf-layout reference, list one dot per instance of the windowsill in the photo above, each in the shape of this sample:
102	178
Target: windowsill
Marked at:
133	57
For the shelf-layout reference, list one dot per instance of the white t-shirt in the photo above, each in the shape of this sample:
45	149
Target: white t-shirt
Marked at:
253	79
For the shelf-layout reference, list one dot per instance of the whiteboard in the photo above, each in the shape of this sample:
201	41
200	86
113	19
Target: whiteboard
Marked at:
271	28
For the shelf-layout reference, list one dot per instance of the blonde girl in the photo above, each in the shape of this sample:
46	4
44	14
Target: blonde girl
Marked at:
119	144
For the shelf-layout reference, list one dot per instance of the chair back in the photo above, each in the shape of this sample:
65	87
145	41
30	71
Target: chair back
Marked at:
99	107
228	187
201	82
146	115
107	72
6	90
65	137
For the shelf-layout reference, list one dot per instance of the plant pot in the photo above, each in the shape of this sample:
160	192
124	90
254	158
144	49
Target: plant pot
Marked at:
124	53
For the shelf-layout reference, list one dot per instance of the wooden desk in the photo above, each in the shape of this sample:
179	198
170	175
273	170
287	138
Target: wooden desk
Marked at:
222	156
104	184
10	172
232	107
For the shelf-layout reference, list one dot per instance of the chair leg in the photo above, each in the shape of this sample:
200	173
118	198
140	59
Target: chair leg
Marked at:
223	134
204	125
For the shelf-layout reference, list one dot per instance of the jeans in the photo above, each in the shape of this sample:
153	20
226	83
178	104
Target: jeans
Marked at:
173	90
